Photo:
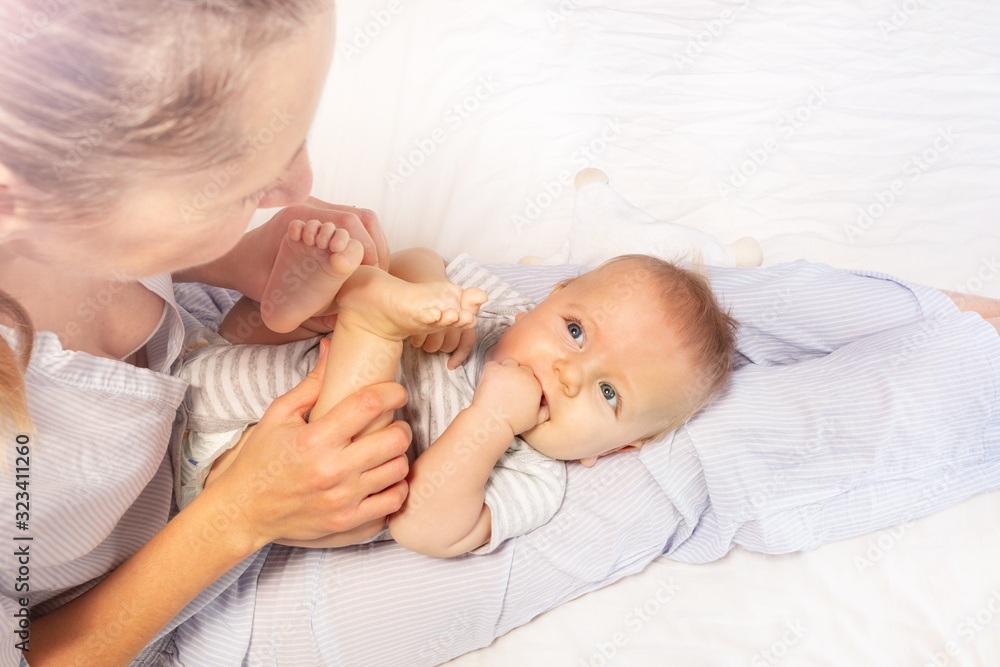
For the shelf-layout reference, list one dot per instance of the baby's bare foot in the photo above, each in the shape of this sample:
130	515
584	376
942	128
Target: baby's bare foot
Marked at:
313	262
395	309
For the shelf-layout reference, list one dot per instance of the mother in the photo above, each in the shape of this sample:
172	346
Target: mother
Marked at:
135	140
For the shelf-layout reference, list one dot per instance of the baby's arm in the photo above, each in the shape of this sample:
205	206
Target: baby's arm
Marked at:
444	513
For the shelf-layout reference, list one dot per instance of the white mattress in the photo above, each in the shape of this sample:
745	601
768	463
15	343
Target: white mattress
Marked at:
484	110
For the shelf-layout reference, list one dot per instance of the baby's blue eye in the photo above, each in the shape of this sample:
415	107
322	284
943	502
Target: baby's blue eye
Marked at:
576	331
609	394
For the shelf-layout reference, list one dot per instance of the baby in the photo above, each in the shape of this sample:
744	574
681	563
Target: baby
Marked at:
608	361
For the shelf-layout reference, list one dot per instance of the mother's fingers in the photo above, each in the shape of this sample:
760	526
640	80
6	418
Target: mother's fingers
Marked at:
378	447
353	414
384	502
300	399
467	340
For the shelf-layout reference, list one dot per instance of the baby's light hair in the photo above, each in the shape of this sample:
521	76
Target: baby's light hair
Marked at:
705	329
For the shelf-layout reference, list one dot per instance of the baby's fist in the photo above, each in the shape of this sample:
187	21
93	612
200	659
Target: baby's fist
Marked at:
511	390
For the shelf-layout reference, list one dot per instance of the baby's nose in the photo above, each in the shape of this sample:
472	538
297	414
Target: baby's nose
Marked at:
568	374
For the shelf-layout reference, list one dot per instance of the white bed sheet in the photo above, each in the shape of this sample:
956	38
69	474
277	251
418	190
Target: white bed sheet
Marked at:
863	134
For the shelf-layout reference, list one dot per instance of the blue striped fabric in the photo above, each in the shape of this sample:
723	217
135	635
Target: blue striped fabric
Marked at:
863	401
824	433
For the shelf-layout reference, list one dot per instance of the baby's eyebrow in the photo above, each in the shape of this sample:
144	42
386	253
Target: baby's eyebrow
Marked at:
589	320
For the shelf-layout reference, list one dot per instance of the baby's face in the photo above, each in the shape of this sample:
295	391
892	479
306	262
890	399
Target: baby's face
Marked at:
609	362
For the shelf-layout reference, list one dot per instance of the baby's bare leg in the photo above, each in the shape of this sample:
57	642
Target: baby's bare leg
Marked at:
376	313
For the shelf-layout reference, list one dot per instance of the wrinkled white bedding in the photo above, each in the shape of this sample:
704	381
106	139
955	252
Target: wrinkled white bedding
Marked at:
860	133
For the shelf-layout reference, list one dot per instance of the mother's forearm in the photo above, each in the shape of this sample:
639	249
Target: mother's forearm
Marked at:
145	592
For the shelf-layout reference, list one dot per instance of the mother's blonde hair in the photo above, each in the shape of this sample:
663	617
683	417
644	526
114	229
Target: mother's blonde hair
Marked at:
97	97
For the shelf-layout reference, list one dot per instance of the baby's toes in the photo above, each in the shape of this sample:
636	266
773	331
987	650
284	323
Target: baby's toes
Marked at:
448	317
325	237
310	231
466	319
473	298
428	315
295	228
349	259
338	239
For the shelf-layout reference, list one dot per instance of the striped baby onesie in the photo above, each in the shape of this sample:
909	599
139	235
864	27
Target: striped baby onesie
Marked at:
232	385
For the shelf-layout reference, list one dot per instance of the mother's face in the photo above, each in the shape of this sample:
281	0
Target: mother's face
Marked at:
180	221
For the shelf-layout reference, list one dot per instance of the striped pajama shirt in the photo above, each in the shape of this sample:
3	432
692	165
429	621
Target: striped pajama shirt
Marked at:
861	401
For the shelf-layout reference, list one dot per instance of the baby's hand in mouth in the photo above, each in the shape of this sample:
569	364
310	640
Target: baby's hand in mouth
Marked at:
543	410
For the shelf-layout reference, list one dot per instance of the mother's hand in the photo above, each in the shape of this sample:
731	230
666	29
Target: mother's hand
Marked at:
247	266
298	480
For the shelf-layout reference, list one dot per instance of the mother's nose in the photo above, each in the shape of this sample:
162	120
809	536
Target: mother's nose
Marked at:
294	185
